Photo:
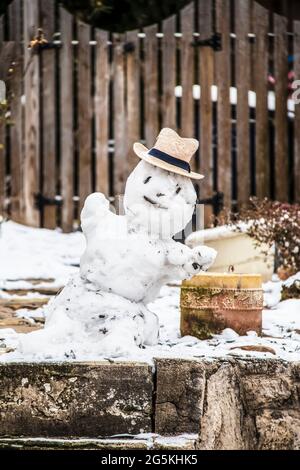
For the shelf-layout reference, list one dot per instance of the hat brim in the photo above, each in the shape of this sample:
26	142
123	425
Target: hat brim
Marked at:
142	152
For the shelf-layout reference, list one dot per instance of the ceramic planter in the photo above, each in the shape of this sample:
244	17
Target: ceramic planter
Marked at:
211	302
236	249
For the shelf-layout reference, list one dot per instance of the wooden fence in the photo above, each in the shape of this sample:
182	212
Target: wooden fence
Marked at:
76	108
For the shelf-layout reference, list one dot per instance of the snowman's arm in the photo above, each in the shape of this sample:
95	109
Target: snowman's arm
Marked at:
95	210
177	253
189	261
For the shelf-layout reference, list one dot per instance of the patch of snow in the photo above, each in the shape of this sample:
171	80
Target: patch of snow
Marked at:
150	439
272	293
290	281
229	335
216	233
176	441
210	234
29	253
281	330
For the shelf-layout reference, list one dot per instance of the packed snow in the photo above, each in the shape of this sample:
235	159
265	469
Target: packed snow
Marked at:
27	254
127	259
281	333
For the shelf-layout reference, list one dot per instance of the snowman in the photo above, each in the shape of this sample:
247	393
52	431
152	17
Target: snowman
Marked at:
128	258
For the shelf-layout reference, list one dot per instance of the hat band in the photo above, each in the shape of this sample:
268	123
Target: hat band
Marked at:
165	157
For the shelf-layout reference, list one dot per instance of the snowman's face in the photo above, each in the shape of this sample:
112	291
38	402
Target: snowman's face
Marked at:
159	201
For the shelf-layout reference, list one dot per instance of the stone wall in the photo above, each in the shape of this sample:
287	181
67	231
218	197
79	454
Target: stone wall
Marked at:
230	404
75	399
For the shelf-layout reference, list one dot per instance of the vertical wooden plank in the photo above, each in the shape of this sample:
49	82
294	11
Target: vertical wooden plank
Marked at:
187	73
7	54
7	57
2	159
2	127
151	85
84	112
1	28
119	115
133	99
102	111
206	64
297	114
2	167
222	67
169	73
281	91
15	130
48	114
66	120
14	17
31	162
261	26
242	71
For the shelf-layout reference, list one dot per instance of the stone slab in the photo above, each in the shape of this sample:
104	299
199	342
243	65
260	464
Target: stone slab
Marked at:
75	399
241	404
73	444
230	403
150	442
180	389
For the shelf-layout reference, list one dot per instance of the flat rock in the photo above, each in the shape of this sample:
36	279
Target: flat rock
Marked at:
73	444
231	403
75	399
179	395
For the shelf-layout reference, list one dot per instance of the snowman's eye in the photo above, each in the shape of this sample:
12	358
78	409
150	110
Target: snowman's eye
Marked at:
178	190
147	179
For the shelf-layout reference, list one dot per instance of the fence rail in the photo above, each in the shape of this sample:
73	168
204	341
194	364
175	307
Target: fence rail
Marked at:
76	108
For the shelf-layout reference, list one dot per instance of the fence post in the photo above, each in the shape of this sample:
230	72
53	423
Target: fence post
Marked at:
282	179
187	75
297	114
168	111
66	120
48	135
119	114
84	112
242	63
223	75
261	70
151	85
133	76
206	62
2	129
16	115
31	159
102	112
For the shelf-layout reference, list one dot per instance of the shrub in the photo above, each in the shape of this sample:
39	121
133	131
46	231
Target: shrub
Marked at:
273	222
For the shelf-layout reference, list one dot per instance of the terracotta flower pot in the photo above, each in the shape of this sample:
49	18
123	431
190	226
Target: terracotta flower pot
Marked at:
211	302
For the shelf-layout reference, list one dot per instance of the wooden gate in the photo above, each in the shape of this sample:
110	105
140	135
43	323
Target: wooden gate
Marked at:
77	104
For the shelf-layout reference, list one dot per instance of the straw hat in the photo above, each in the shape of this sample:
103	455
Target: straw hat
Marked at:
170	152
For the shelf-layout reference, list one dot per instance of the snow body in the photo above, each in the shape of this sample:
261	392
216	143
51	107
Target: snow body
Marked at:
128	258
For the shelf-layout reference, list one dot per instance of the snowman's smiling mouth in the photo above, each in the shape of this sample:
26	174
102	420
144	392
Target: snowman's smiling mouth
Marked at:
154	203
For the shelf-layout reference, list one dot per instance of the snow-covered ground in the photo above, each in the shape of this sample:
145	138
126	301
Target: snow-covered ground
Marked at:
27	253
